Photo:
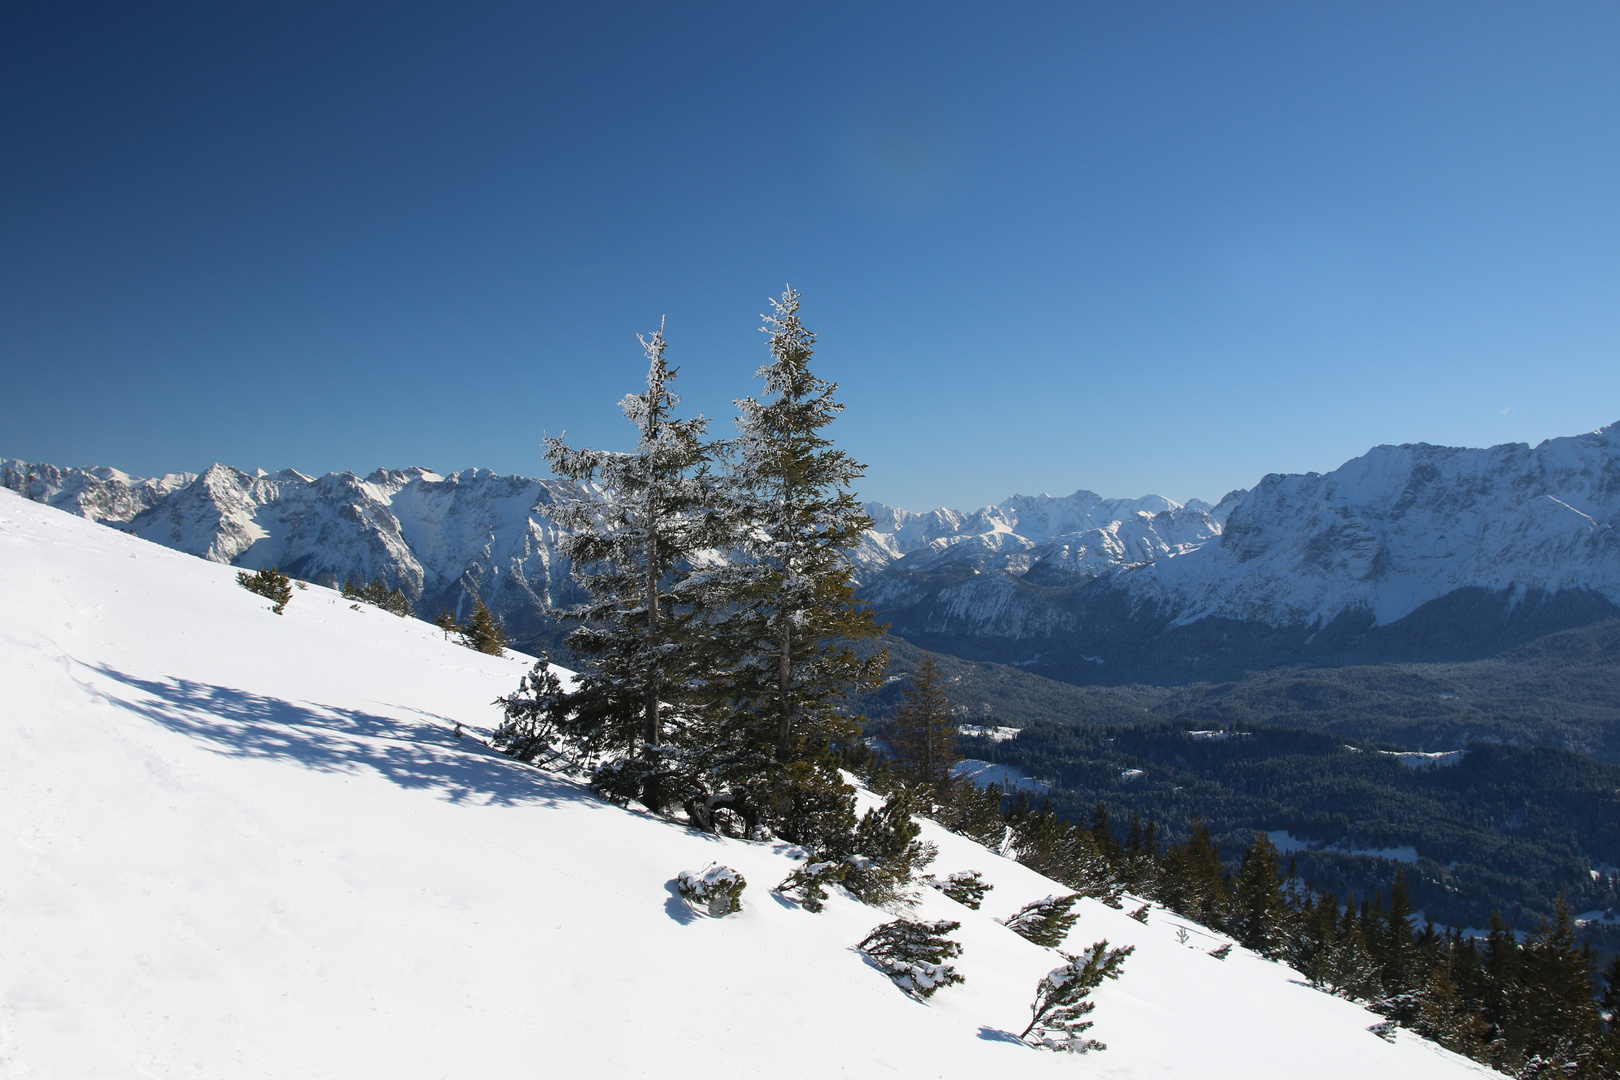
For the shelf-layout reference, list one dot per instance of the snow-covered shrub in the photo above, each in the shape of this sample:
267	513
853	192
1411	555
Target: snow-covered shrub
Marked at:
1045	922
810	882
271	584
1223	952
1141	913
1057	1020
719	888
966	887
913	954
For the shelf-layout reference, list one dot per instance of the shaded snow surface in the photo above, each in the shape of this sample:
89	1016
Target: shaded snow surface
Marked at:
242	845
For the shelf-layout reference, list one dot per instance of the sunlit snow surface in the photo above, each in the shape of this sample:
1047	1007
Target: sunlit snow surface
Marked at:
242	845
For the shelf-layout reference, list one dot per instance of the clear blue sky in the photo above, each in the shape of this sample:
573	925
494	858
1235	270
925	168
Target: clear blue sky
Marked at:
1130	247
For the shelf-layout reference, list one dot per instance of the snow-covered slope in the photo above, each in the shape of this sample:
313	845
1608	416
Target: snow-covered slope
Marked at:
241	845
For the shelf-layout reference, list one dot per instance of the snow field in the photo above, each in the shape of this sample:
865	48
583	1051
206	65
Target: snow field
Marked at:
239	845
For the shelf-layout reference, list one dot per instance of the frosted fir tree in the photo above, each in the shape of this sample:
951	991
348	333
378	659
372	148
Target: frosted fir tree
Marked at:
924	739
632	551
1045	922
783	611
913	954
1058	1014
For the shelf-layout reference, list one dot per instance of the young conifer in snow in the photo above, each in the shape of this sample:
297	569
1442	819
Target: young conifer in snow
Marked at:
631	550
271	584
924	738
378	594
966	887
537	715
810	882
485	633
913	954
1061	1004
1045	922
781	615
884	853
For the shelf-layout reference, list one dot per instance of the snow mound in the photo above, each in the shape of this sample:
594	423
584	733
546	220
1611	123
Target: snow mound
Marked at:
239	845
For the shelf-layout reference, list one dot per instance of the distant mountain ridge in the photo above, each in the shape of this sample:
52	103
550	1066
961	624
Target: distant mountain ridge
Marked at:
1439	540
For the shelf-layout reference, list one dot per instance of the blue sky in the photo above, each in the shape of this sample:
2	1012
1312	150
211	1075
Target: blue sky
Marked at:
1130	247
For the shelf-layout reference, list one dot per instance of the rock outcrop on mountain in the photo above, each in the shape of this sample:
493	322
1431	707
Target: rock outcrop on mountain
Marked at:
1401	552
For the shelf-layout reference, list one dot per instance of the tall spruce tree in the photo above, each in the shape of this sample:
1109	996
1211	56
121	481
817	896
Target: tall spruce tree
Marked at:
924	739
1259	916
779	618
631	549
791	616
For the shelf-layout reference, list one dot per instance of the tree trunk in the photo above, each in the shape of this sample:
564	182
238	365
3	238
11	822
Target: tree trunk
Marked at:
784	683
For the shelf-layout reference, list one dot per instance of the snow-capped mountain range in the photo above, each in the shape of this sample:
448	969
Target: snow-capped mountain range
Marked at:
1372	542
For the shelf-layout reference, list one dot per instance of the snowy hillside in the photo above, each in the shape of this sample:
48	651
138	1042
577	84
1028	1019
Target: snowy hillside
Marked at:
243	845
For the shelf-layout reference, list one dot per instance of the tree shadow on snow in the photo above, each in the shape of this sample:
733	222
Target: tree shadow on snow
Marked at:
990	1034
411	753
676	906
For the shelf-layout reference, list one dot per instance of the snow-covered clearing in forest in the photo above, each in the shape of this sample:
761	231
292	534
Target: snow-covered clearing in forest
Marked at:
240	845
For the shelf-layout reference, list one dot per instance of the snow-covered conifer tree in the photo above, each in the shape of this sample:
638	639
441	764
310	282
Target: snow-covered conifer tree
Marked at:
794	615
1058	1013
913	954
631	549
966	887
1045	922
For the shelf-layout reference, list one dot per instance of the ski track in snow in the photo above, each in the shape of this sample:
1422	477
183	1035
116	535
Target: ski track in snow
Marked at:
237	845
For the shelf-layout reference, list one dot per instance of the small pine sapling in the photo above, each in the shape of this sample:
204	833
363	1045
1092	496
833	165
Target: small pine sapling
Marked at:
1223	952
1141	913
1385	1030
913	954
1045	922
966	887
530	730
484	633
271	584
719	888
1057	1020
1181	935
810	882
445	621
